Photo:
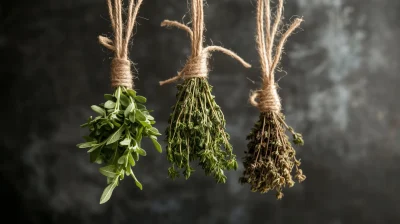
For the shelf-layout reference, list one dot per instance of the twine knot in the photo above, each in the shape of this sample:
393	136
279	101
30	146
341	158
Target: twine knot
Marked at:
121	74
268	99
196	67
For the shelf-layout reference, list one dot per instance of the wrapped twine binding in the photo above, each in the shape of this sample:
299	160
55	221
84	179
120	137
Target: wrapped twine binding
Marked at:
121	74
196	66
270	157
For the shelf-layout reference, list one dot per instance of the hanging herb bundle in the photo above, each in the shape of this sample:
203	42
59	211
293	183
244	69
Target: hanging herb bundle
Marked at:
196	128
270	157
123	120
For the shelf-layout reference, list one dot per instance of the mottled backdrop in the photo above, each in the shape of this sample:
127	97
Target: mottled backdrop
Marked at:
341	91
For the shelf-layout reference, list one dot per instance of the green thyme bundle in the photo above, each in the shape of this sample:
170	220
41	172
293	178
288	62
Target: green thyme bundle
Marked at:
196	128
123	120
270	156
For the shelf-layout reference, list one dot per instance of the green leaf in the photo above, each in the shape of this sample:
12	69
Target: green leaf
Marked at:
94	156
108	192
131	160
149	117
110	124
98	110
86	144
131	92
108	97
154	131
146	123
132	117
126	141
141	106
84	125
140	99
127	168
122	160
109	104
95	148
140	116
139	136
116	136
133	143
129	109
122	175
138	184
99	160
156	144
124	100
110	180
135	156
108	171
141	151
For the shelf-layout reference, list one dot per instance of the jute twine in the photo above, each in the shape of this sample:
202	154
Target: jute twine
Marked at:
121	74
268	98
196	65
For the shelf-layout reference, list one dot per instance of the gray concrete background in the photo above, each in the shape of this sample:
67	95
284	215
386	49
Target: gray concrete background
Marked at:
341	91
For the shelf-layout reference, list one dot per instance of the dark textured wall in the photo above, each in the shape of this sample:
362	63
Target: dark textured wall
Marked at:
341	91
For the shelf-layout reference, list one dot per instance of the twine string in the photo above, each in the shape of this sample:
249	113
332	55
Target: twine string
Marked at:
268	98
197	64
121	74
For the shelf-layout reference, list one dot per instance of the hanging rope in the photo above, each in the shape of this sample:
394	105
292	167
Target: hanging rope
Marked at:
196	66
121	74
268	98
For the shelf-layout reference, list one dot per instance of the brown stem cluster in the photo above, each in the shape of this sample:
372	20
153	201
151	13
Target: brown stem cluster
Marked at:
270	157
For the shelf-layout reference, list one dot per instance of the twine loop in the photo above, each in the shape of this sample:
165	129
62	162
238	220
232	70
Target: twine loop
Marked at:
268	99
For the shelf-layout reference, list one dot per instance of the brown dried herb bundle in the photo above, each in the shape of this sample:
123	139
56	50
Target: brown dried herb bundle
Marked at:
270	157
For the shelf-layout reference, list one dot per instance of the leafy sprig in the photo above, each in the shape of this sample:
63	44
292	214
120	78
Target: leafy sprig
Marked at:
116	135
197	132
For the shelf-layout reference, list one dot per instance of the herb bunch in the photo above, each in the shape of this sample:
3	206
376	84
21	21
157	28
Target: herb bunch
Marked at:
197	132
116	135
196	128
270	157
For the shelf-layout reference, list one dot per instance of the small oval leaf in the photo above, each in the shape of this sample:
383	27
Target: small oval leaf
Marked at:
140	99
124	100
107	193
140	116
141	151
156	144
129	109
122	160
116	136
109	104
108	171
131	92
98	110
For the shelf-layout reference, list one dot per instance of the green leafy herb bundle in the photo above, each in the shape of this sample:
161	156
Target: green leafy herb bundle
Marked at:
270	157
116	133
196	130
